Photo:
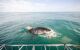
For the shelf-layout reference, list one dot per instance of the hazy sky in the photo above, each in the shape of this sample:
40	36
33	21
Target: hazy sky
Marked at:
39	5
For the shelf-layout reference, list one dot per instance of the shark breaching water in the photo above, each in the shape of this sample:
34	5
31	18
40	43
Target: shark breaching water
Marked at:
45	32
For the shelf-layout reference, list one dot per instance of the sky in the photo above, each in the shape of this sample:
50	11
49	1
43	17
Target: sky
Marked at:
39	5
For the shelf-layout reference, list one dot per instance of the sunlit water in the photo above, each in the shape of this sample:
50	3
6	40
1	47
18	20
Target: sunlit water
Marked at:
66	25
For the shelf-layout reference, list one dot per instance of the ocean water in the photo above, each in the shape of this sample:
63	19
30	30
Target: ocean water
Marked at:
65	24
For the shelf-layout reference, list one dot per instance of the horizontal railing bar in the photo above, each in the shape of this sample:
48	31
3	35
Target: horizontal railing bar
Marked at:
43	45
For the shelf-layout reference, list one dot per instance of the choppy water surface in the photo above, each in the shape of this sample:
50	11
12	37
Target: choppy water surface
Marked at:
12	27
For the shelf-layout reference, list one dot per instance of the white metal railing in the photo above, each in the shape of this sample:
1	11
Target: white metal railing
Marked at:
66	46
44	45
2	46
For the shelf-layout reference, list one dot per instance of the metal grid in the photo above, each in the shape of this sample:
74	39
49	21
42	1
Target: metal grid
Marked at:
66	46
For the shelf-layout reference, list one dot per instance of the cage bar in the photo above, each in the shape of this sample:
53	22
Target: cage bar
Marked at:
66	46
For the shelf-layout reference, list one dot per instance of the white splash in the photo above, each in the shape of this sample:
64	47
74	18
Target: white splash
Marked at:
50	34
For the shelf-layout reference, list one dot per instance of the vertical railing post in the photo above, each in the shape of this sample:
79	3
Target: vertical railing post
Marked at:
21	47
33	48
1	47
64	46
57	48
45	47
